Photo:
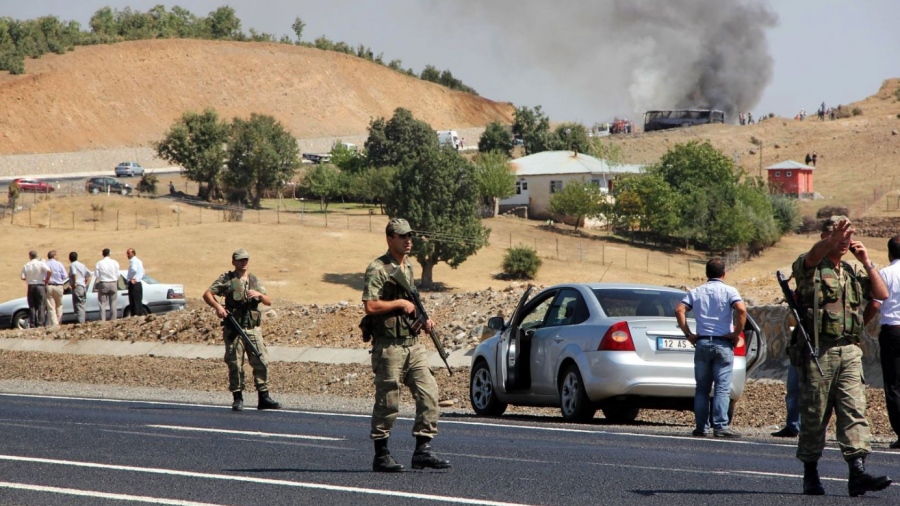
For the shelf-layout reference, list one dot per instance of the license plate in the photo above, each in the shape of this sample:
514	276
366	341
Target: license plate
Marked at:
673	344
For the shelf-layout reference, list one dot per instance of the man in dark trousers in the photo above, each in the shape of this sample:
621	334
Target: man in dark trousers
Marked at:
889	336
135	279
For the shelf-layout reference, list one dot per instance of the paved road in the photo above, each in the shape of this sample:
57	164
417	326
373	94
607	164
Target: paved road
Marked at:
59	450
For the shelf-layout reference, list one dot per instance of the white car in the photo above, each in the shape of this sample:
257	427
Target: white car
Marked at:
129	169
158	298
590	346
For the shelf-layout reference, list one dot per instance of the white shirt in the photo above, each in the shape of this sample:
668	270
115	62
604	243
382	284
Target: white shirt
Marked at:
135	269
79	273
35	272
890	307
107	270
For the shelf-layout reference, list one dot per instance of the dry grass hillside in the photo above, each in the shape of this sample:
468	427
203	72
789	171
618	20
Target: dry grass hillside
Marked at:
128	94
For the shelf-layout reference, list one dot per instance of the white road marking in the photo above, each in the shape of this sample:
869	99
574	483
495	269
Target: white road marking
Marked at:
102	495
262	481
247	433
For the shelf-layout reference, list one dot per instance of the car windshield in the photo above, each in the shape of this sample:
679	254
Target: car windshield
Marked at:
638	302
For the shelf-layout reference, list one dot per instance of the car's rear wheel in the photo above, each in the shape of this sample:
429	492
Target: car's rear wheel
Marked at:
20	320
573	400
620	414
481	392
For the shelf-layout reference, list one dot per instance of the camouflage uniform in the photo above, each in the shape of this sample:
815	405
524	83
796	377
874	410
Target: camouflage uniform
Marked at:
232	288
842	387
397	357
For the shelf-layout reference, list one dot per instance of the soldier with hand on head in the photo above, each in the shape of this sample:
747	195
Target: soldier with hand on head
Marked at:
243	294
830	294
398	358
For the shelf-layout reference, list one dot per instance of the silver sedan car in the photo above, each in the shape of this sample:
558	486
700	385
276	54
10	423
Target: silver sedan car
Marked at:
590	346
157	298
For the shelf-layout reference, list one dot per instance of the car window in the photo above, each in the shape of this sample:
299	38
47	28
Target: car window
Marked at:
566	309
535	315
121	285
638	302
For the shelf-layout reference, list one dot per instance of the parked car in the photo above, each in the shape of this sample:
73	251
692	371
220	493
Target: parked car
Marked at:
584	347
34	185
129	169
158	298
96	185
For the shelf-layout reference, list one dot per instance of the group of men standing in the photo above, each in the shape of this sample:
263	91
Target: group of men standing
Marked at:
47	280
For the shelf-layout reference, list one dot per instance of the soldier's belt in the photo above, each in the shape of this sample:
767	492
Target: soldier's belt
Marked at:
398	341
827	342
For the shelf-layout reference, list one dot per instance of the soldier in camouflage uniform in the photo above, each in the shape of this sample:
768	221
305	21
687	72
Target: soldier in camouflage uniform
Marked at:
830	295
243	293
397	356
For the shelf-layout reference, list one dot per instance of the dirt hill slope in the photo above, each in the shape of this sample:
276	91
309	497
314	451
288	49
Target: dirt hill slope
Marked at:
128	94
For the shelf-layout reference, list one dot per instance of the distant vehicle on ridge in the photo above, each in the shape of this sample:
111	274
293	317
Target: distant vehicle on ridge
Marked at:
662	120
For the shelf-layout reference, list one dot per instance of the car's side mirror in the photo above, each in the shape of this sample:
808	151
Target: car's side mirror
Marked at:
495	323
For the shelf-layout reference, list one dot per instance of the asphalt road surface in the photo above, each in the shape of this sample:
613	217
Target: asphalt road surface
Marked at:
68	451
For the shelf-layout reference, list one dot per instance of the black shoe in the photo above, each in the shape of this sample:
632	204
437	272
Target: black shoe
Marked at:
385	463
266	402
895	445
726	433
238	404
699	433
786	432
861	482
423	457
812	485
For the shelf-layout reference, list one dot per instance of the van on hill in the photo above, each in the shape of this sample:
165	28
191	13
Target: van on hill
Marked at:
448	138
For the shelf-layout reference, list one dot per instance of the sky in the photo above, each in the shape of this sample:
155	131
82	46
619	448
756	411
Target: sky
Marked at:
591	60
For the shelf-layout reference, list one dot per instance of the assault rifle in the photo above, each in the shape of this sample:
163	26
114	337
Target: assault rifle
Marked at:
421	316
248	343
801	331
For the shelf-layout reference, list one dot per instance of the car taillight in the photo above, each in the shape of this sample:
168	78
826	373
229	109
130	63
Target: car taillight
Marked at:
741	349
617	338
172	294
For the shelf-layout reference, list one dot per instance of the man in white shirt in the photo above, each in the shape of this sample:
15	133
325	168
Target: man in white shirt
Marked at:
107	273
36	274
889	336
55	287
78	278
134	280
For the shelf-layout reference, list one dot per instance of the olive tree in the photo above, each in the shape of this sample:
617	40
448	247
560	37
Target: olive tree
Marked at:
262	156
197	143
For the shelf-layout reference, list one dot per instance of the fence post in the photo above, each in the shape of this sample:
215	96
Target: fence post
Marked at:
557	248
178	217
370	222
158	225
510	239
626	260
73	220
200	212
348	220
581	250
50	218
117	218
669	266
603	255
278	214
689	268
648	261
326	218
29	216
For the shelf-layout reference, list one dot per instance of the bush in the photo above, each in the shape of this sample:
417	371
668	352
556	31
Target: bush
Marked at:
897	93
148	183
521	262
856	111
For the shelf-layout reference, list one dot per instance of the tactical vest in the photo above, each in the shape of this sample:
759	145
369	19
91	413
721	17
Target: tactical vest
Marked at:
239	304
840	302
396	323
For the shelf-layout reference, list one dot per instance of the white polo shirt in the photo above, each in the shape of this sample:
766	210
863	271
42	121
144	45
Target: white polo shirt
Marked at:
35	272
890	307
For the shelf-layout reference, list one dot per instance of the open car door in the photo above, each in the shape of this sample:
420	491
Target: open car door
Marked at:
756	346
510	348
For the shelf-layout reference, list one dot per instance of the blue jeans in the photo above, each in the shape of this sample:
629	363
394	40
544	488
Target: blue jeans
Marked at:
792	399
713	361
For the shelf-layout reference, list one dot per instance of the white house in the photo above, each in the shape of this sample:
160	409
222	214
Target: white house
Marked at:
542	174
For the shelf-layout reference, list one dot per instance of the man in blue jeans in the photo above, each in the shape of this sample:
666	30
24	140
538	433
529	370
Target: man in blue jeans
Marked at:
792	404
720	315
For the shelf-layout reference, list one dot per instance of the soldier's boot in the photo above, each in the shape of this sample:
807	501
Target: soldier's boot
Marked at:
861	482
812	485
424	456
384	462
238	404
266	402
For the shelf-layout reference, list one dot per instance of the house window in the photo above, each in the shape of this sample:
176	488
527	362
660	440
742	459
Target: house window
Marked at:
555	186
595	182
521	186
777	173
787	174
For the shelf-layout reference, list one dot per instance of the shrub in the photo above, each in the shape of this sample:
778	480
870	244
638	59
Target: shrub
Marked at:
856	111
521	262
842	112
148	183
897	93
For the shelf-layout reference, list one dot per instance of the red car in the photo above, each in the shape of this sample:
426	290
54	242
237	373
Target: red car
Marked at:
34	185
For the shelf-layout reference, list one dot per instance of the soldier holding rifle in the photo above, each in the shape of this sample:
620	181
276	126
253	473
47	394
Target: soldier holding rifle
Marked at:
243	293
398	358
830	296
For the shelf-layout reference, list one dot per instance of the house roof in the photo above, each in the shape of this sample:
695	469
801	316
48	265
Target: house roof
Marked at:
567	162
789	165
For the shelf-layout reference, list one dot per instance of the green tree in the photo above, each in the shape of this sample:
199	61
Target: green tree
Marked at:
495	180
323	181
579	199
103	22
224	24
430	74
496	137
348	160
262	156
438	195
521	262
533	127
570	137
787	214
648	202
197	142
298	27
399	141
608	151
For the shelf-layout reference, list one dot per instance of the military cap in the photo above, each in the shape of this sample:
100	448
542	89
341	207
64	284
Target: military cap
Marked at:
240	254
828	225
398	226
